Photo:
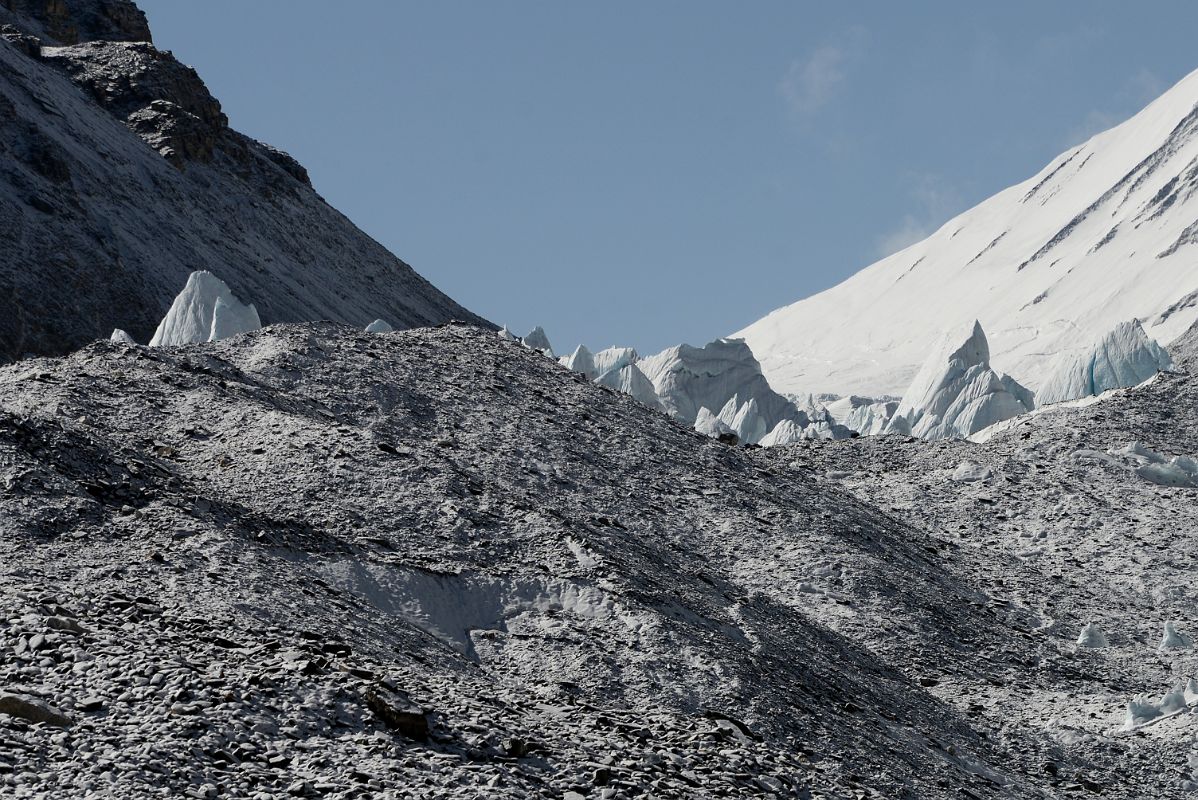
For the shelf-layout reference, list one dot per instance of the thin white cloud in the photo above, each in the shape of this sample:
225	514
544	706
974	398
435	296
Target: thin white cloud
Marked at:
933	202
811	81
1137	91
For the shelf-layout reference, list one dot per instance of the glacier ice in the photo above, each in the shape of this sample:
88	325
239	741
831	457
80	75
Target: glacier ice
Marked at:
866	416
507	335
614	358
822	425
120	335
581	360
747	424
1125	356
1092	637
379	326
956	393
205	311
1154	467
1173	640
689	378
785	432
709	424
631	381
538	340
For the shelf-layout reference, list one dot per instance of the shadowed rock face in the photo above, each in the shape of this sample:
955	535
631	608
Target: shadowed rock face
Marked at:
120	176
75	21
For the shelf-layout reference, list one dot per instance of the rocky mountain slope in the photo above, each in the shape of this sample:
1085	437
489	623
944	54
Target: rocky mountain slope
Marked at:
269	564
120	175
1102	235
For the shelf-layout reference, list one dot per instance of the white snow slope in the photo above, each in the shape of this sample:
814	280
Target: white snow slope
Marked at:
1105	233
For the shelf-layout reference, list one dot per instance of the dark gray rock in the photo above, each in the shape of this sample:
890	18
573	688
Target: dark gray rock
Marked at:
33	709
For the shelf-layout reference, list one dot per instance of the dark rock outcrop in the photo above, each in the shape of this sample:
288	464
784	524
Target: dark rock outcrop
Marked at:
120	175
75	21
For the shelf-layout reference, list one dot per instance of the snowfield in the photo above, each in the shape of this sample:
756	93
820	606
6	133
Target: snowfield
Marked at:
1104	234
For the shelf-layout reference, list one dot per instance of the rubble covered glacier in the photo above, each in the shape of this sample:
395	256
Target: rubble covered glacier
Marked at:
319	561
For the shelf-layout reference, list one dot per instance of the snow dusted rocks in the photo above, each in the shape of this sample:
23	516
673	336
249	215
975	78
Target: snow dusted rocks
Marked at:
379	326
956	393
205	311
1126	356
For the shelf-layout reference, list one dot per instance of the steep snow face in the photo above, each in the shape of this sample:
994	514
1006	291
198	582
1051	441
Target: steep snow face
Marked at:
1106	232
1124	357
631	381
689	378
205	311
956	393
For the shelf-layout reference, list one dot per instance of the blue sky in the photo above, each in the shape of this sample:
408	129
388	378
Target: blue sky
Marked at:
648	173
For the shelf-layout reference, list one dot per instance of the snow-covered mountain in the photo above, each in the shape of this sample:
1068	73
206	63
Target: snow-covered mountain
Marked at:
1105	233
120	176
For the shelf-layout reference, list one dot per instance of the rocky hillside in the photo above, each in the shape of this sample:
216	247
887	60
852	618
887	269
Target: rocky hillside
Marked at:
316	560
120	175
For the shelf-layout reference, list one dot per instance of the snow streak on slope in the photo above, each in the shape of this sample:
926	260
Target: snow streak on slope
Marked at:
1105	233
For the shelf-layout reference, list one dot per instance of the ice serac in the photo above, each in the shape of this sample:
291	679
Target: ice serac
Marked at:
956	393
689	378
379	326
581	360
1125	356
205	311
122	176
537	339
709	424
785	432
866	416
614	358
121	336
1106	232
631	381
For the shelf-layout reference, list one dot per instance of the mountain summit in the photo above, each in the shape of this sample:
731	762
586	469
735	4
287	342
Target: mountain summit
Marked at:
120	177
1105	233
